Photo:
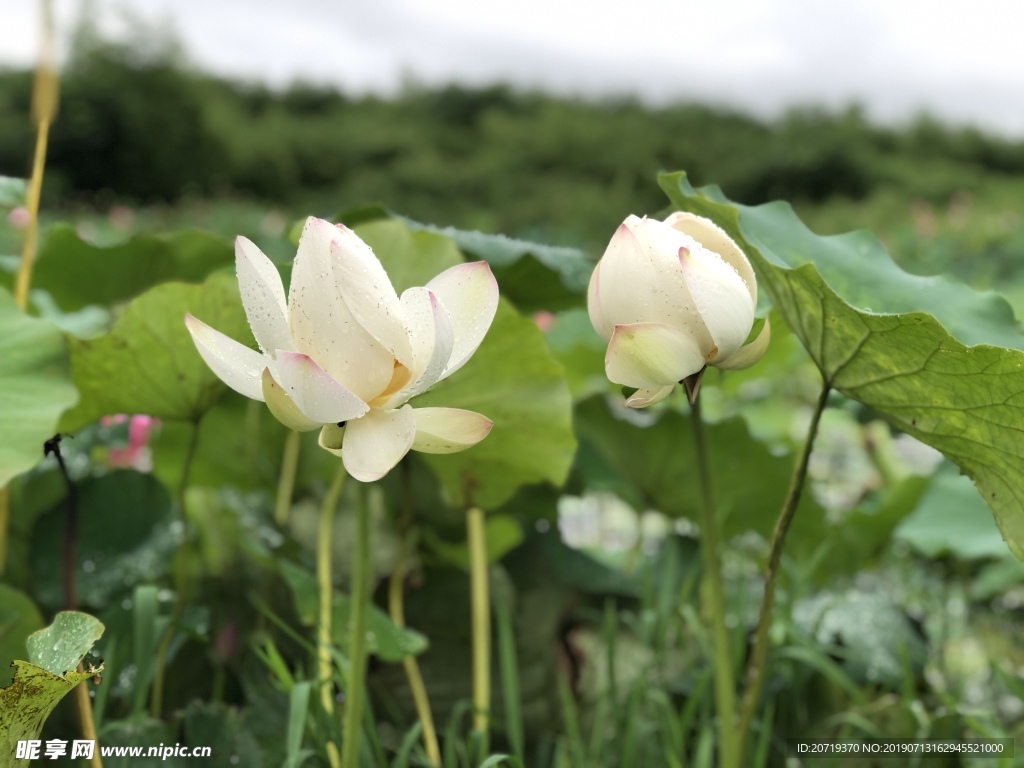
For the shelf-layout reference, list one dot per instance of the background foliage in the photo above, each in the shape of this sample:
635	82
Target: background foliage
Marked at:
597	628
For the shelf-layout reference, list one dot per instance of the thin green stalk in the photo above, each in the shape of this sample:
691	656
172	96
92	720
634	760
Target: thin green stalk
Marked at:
480	602
713	600
44	110
286	481
412	668
356	683
756	662
181	578
325	590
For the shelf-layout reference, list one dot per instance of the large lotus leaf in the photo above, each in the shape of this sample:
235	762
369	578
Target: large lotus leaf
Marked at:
577	347
532	275
147	363
34	387
12	191
124	537
410	258
60	647
240	444
502	533
40	683
939	360
515	382
658	461
77	273
951	519
512	380
27	702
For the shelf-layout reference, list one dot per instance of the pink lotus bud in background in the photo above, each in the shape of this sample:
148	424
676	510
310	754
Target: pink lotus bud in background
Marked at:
18	217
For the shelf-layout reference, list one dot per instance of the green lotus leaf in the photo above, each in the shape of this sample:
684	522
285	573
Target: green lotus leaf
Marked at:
35	385
77	273
939	360
147	363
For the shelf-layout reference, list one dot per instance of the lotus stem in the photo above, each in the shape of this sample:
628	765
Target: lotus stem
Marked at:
356	683
286	481
396	608
44	110
756	662
85	720
713	600
325	587
181	578
481	620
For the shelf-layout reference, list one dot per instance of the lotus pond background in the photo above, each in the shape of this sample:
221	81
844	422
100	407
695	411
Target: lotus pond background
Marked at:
901	604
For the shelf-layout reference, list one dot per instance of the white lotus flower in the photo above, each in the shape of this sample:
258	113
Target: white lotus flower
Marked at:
670	298
345	353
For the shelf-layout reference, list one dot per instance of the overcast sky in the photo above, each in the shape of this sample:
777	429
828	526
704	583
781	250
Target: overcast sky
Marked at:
960	60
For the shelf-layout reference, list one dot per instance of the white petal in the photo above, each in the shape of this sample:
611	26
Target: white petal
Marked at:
322	326
368	293
431	337
469	293
721	297
262	296
714	238
377	442
643	398
235	364
603	328
332	437
642	281
320	398
283	407
448	430
651	355
748	354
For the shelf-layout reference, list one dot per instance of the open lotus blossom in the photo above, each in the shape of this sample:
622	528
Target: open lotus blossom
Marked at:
670	298
345	353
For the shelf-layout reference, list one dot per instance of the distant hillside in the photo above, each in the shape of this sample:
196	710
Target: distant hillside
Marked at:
144	129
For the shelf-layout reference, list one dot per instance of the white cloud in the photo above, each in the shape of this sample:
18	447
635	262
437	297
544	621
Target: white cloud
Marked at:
960	61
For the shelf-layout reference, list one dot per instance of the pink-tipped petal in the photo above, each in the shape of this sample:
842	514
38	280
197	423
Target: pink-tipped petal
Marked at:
375	443
722	298
448	430
235	364
262	291
469	293
368	293
324	328
651	355
431	338
283	407
642	281
643	398
748	354
320	398
714	238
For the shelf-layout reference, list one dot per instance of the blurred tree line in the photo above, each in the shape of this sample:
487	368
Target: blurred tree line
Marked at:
137	124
